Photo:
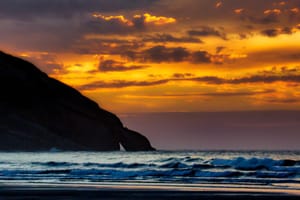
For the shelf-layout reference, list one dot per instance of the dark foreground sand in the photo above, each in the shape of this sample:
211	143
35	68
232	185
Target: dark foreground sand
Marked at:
125	193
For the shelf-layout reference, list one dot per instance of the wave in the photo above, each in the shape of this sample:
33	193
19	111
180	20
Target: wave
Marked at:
239	163
55	164
182	176
117	165
185	169
252	163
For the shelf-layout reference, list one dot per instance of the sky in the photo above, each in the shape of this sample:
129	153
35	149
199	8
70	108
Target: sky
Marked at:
209	63
255	130
163	55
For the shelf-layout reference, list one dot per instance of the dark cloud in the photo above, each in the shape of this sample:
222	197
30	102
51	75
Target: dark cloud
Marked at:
139	23
280	70
208	79
263	20
221	94
161	53
200	57
182	75
116	66
205	31
219	49
205	79
294	56
121	84
270	32
230	94
264	79
34	9
246	80
170	38
276	32
283	100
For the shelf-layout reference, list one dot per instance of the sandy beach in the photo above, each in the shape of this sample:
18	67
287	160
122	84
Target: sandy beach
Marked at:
110	192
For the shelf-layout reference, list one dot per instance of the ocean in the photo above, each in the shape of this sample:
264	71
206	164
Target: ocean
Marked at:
193	168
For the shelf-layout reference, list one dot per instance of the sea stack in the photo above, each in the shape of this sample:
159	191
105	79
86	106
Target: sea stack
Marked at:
38	113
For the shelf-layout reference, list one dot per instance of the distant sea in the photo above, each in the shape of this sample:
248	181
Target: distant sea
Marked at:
194	168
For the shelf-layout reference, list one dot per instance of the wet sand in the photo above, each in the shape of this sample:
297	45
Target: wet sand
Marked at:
115	192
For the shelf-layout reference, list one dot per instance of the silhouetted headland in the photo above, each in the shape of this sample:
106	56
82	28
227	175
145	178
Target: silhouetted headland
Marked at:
38	113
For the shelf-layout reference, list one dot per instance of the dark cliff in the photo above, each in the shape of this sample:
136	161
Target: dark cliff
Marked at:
39	113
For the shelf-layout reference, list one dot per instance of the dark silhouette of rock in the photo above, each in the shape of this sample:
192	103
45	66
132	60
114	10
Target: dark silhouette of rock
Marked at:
39	113
133	141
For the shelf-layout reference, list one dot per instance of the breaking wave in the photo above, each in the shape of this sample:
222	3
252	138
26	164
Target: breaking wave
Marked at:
155	168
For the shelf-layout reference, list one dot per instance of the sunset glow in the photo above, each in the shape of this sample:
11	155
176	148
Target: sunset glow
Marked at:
166	56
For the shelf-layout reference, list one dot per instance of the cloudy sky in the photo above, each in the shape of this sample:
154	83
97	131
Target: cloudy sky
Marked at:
163	55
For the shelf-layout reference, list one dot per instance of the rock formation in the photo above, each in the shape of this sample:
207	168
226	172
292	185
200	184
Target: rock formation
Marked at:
38	113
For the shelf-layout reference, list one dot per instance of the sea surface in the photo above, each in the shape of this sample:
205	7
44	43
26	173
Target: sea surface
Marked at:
250	169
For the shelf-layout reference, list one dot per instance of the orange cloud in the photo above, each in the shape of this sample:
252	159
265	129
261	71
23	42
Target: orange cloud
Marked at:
282	3
119	18
238	11
219	4
274	11
156	20
294	10
147	18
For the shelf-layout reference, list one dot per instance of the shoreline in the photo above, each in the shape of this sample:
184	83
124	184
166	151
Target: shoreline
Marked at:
139	191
